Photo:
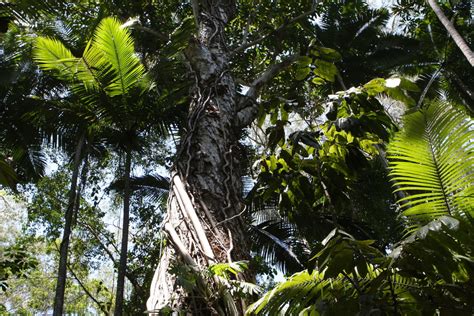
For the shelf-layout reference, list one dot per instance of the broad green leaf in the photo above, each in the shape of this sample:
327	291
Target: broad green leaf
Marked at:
325	70
326	53
375	86
318	81
302	73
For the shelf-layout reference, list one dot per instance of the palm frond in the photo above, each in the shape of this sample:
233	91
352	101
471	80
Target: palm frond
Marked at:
432	159
30	160
274	241
109	62
8	176
115	43
292	295
151	186
438	248
52	55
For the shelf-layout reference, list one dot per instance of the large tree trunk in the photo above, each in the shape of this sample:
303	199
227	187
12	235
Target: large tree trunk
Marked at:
122	269
452	31
63	251
203	224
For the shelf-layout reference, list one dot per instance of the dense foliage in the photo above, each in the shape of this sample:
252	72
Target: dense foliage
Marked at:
354	141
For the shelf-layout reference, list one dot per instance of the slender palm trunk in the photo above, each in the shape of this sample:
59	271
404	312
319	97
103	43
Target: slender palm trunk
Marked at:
124	246
458	39
63	251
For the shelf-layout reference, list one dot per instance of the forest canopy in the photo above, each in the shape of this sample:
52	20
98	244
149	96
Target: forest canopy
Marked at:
250	157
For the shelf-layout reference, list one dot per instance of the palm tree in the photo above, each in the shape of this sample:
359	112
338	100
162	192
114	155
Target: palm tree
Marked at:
439	65
357	32
458	39
107	77
21	158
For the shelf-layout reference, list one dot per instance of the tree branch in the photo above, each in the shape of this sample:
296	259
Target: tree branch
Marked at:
460	83
87	291
128	274
148	30
247	44
248	105
97	237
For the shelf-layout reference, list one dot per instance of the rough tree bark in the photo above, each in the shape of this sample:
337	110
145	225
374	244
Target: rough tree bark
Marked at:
69	215
204	223
458	39
206	186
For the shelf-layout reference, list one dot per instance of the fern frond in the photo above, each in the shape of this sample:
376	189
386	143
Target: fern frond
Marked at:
432	159
290	294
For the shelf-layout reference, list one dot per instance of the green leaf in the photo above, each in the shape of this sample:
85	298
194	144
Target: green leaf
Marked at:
399	95
326	53
375	86
325	70
51	54
304	61
224	270
318	81
302	73
408	85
